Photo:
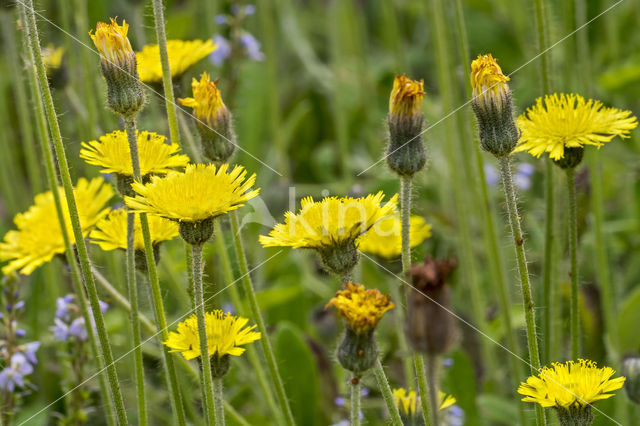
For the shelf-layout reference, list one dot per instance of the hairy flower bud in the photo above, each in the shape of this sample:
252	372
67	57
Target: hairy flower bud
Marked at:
405	151
492	104
631	370
572	157
118	62
430	326
196	233
213	120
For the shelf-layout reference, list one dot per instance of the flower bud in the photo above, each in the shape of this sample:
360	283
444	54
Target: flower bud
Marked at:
219	365
405	152
196	233
572	157
493	107
575	415
631	370
357	352
213	120
430	326
118	62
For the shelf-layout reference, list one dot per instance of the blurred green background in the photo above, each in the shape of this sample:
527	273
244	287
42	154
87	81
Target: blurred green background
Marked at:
310	119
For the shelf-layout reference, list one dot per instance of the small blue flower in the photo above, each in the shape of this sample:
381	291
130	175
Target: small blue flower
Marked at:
29	350
13	375
19	305
103	306
62	306
491	175
221	19
249	9
60	330
455	416
447	362
77	329
339	401
222	52
20	332
252	47
364	392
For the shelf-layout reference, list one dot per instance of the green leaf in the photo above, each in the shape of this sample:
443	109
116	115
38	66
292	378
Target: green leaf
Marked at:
628	319
460	382
299	373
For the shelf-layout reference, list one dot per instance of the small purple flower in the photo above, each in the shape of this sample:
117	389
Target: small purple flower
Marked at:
19	305
103	306
77	329
249	9
13	375
60	330
339	401
222	52
491	175
447	362
221	19
252	47
29	350
455	416
20	332
364	392
62	306
228	307
523	176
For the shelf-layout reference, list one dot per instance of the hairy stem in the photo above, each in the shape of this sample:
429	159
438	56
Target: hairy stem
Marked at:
433	383
218	399
573	255
418	361
356	389
387	394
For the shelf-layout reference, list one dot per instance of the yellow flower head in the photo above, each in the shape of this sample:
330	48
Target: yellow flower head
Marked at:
487	81
569	121
38	237
329	222
225	334
52	57
407	402
111	152
206	102
362	309
406	97
384	239
200	192
182	56
570	385
112	42
111	232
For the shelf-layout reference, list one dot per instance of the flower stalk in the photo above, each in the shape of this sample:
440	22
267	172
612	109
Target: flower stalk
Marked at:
387	393
573	255
158	305
356	390
257	315
218	399
81	247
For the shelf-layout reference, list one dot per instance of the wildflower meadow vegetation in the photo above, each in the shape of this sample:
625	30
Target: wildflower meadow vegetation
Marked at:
340	212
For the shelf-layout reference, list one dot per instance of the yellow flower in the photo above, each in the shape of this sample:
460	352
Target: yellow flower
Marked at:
206	102
362	309
406	97
38	237
200	192
329	222
111	232
570	385
112	42
182	56
569	121
407	403
384	239
225	334
52	57
488	83
111	152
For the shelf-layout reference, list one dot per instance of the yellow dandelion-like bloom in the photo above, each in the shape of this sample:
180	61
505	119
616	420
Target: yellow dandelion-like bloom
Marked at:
570	121
38	237
570	385
329	222
362	309
384	239
406	97
200	192
225	335
488	83
111	152
111	232
407	402
52	57
182	56
112	42
206	102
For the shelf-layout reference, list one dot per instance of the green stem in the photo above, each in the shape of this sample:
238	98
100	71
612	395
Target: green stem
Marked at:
218	399
158	15
198	300
132	286
387	394
52	180
255	311
405	215
24	120
257	366
156	294
527	299
423	390
356	389
83	256
573	255
432	382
